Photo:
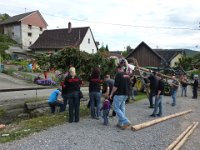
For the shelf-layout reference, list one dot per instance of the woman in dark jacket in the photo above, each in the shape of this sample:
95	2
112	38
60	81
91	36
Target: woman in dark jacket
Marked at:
94	93
72	86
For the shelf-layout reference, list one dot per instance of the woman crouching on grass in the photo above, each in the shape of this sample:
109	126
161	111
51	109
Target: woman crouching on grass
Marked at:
72	84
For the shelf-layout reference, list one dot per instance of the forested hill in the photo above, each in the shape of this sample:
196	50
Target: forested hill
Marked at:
191	52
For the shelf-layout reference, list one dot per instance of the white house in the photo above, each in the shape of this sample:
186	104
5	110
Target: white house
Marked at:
56	39
24	28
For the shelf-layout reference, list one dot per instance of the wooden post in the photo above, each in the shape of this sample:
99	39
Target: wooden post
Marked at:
178	139
152	122
178	146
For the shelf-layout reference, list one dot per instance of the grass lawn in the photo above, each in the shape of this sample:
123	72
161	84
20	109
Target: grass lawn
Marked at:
23	128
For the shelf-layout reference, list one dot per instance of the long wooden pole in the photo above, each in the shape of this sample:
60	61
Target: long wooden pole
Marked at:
178	146
148	70
178	139
152	122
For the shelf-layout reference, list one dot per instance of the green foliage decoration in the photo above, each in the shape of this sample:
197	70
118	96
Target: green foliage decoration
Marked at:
82	61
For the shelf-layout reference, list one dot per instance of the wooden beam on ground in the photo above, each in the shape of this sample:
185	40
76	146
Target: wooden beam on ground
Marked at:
178	139
178	146
152	122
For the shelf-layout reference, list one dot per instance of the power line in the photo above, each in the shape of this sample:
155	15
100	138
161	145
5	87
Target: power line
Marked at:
126	25
116	24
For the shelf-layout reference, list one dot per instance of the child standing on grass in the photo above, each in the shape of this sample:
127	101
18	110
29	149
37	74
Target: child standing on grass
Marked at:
106	109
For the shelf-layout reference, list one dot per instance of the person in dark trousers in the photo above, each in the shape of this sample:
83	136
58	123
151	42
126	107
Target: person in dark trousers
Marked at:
107	88
72	84
95	93
121	90
106	109
153	86
195	87
184	84
174	86
55	99
159	96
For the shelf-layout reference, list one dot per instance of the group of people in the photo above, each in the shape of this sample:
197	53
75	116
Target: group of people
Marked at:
115	93
156	85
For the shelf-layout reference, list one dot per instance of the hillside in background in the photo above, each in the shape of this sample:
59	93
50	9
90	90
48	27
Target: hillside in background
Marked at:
191	52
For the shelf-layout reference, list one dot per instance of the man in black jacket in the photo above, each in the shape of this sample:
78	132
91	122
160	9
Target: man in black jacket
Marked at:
159	97
195	86
121	90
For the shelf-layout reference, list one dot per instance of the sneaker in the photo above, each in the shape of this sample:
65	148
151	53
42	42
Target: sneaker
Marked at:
173	104
159	115
125	126
151	107
153	115
118	125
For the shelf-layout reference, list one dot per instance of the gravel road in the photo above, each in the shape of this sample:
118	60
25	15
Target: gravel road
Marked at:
90	134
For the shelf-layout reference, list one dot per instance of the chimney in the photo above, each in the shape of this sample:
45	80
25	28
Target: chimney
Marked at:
69	27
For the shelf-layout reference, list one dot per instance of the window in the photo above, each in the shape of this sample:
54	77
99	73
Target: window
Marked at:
30	26
92	51
29	34
40	28
88	40
30	42
13	33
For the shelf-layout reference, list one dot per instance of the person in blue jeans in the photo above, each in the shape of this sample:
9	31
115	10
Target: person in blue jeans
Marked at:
56	100
121	90
95	93
159	97
174	85
106	109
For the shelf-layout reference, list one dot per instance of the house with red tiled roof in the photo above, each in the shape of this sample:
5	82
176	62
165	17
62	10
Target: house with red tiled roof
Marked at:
24	28
56	39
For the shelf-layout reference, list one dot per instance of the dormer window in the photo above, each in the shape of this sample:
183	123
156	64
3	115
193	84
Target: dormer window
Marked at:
30	26
88	40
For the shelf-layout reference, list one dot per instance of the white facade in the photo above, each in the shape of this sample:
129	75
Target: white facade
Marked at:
23	34
88	44
30	34
175	60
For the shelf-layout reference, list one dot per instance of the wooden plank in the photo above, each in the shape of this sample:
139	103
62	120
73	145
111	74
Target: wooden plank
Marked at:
152	122
178	139
180	144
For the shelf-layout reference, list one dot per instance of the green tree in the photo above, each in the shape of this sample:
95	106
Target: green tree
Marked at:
4	16
82	61
185	63
103	48
5	42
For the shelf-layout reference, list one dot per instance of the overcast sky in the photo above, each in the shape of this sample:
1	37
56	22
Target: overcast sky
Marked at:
119	23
